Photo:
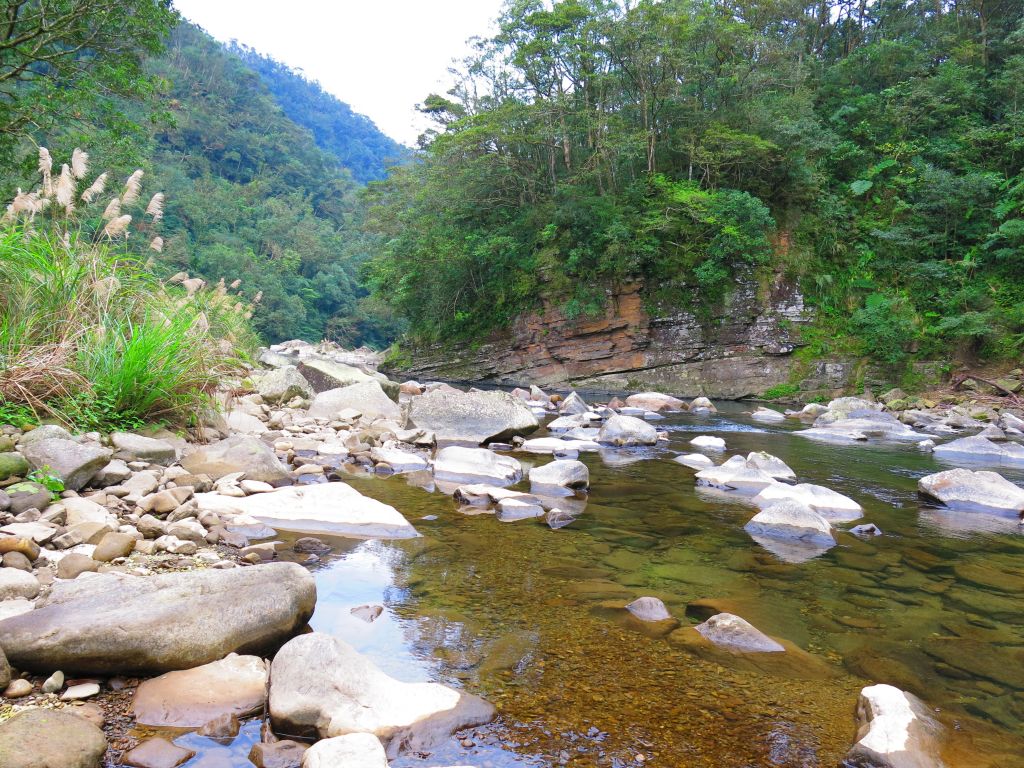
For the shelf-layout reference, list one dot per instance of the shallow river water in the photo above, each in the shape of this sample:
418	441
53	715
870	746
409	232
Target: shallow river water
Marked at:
530	618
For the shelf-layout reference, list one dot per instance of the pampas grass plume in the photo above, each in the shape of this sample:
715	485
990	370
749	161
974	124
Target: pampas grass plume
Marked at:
156	206
96	189
79	163
66	189
113	209
117	227
132	188
157	244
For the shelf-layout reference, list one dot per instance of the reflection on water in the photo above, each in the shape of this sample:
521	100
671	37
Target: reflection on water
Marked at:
529	617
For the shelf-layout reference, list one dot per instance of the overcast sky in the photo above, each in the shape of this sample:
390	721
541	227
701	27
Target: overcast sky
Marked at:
381	56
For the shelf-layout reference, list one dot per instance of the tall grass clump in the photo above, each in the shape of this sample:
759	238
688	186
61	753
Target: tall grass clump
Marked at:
88	335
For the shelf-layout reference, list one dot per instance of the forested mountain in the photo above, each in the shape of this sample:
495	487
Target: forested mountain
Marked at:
352	138
250	194
871	149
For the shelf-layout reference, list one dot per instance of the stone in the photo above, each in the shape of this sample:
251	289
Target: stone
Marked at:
151	527
739	479
48	738
981	450
245	423
239	453
324	375
867	529
78	510
696	461
655	401
112	546
17	689
282	384
791	531
457	464
767	415
114	624
5	671
74	564
896	730
157	753
475	417
702	405
114	473
44	432
234	686
708	443
54	682
510	510
729	631
320	686
627	430
324	508
397	459
967	491
140	448
565	473
649	609
12	465
278	754
15	584
367	397
27	495
74	463
310	544
353	750
559	446
833	506
80	691
772	465
16	560
21	544
574	404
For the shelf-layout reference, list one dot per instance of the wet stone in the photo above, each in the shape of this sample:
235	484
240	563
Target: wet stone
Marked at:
157	753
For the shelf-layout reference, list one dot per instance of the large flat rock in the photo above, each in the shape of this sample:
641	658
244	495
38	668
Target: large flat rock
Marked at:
325	508
239	453
366	397
114	624
47	738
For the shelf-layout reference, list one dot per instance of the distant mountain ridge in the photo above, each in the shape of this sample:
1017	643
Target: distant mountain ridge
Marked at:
365	150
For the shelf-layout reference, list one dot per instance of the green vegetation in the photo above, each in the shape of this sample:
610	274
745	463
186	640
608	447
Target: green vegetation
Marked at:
48	479
781	391
87	334
872	151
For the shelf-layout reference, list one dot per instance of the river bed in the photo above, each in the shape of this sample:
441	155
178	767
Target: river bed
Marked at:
530	618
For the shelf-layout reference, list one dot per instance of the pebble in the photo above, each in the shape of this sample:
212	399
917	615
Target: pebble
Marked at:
80	691
17	689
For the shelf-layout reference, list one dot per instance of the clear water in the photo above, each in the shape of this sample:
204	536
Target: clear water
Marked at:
531	618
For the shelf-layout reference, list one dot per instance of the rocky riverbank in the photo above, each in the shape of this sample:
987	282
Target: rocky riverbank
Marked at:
98	593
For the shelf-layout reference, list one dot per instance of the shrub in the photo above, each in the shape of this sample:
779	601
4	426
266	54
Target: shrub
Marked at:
87	333
780	391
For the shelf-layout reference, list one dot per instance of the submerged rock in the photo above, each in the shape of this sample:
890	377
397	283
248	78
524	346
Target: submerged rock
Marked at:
982	450
323	508
113	624
735	634
476	417
792	531
967	491
833	506
696	461
896	730
321	686
48	738
649	609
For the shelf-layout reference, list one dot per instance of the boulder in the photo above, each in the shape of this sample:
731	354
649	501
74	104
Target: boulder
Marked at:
323	508
16	584
27	495
43	432
367	398
397	459
895	730
967	491
282	384
833	506
708	443
238	453
320	686
353	750
655	401
773	465
12	465
234	686
696	461
49	738
792	531
558	445
245	423
471	465
475	417
566	473
573	404
739	479
74	463
729	631
702	405
131	446
324	375
114	624
981	450
627	430
513	509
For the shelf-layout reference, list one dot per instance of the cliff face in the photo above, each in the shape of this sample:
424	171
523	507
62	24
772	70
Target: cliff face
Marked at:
741	352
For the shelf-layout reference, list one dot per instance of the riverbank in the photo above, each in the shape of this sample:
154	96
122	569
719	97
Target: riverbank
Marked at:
541	631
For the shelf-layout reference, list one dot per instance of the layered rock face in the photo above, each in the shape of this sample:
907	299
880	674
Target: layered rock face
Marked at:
742	351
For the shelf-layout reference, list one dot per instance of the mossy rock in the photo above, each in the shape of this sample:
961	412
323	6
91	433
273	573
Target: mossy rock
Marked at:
12	465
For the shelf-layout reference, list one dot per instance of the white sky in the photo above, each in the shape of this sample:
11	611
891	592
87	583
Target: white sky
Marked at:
380	56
